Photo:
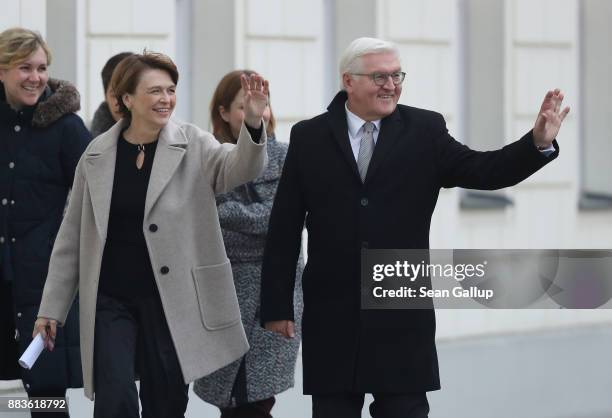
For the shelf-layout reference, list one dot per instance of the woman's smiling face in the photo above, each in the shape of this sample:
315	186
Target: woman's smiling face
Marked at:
26	82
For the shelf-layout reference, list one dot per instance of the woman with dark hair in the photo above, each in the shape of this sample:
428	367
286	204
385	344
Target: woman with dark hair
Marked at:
246	388
41	140
141	243
107	114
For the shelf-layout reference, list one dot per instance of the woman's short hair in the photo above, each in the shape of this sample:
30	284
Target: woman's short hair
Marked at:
350	62
129	71
224	95
17	44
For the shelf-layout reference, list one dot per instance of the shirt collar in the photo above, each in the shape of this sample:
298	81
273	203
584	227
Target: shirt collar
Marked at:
355	123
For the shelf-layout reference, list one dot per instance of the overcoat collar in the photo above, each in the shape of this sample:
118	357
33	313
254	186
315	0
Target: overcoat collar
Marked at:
390	130
100	161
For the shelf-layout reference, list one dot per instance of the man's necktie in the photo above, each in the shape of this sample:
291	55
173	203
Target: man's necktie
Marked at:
366	149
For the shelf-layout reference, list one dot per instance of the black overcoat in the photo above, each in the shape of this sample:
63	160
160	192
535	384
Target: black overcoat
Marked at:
344	348
39	149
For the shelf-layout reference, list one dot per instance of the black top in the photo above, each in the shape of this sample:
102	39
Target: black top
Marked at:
126	267
126	270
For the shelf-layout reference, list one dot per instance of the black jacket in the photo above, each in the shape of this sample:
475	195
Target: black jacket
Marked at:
345	348
39	150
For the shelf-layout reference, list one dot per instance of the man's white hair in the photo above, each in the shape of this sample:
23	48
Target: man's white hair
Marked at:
350	62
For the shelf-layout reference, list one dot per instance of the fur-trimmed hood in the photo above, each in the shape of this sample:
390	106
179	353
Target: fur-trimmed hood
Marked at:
59	98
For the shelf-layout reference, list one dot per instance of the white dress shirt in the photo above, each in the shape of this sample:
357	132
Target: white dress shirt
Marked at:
355	130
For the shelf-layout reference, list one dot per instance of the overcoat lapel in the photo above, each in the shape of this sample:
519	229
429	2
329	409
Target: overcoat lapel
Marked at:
390	130
100	162
337	120
168	156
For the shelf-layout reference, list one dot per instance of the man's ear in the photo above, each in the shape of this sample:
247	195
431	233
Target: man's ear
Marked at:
224	113
347	82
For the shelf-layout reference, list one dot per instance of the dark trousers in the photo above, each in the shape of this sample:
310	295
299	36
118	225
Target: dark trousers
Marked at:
9	350
257	409
384	405
134	337
245	409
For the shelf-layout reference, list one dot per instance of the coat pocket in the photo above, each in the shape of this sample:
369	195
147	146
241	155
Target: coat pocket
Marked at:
216	296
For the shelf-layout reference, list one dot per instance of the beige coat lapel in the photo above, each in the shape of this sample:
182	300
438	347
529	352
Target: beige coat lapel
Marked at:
100	172
169	154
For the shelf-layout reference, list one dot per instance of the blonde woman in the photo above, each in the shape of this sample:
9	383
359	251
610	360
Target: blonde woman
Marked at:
41	140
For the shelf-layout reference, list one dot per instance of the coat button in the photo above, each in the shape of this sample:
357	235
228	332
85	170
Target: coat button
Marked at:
153	228
4	201
1	240
164	270
27	385
364	201
17	128
11	165
16	334
12	202
19	315
13	239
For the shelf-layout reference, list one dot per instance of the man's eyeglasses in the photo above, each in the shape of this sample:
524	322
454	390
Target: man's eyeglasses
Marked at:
380	79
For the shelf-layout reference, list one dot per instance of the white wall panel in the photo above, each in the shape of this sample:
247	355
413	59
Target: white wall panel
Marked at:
439	19
312	79
445	220
284	42
403	18
280	62
30	14
109	16
264	17
123	25
33	14
429	79
303	18
419	19
153	16
11	13
542	58
295	18
545	20
540	212
538	70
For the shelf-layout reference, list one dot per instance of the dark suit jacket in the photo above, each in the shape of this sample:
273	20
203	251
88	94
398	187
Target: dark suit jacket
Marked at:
345	348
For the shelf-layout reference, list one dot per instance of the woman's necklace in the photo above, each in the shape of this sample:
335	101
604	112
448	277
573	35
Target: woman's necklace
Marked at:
141	156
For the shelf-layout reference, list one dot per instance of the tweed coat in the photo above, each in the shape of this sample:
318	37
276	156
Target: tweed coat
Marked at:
183	236
346	348
270	363
40	146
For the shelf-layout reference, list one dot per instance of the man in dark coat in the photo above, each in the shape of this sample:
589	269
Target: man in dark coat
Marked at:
40	146
366	174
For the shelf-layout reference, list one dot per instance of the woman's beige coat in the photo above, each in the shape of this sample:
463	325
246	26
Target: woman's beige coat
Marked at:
197	292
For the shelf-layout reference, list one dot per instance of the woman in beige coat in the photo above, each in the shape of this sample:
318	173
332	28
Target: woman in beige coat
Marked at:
142	245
